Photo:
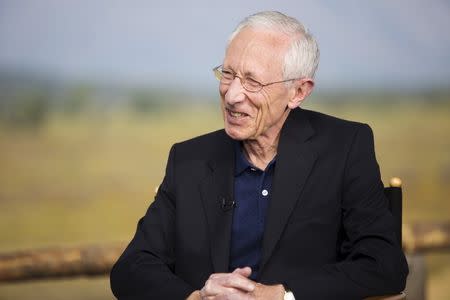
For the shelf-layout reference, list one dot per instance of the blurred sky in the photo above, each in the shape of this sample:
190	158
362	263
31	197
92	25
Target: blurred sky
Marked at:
375	44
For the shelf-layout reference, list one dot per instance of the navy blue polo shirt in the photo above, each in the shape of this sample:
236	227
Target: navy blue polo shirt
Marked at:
252	191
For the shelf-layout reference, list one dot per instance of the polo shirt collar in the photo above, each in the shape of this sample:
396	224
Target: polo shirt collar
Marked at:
242	164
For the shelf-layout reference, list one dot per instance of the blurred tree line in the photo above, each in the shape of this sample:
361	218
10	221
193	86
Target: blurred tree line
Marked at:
27	102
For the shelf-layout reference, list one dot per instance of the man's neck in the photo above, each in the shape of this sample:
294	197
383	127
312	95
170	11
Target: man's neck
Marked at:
259	153
261	150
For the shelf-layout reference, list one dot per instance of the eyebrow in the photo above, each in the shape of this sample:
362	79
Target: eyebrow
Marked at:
249	74
246	73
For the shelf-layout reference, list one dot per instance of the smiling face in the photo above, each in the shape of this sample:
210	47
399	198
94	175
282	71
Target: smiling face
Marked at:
257	54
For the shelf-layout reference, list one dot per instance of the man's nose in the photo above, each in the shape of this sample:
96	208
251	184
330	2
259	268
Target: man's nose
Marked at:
235	92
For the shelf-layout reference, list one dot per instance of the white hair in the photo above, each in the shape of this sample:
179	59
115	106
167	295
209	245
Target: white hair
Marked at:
302	57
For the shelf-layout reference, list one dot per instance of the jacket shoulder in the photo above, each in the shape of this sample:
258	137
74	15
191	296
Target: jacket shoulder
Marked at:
205	146
334	127
204	140
323	121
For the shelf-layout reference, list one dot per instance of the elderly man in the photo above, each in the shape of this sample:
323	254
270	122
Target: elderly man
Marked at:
284	203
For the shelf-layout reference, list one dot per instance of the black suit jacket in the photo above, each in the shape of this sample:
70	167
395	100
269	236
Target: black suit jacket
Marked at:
329	233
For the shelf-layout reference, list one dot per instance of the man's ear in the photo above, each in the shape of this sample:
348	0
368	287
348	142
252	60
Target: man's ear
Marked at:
302	88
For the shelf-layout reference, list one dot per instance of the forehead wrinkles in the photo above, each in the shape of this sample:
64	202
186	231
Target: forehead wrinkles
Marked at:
254	51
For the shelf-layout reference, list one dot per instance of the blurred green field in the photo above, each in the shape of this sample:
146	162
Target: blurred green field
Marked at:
88	179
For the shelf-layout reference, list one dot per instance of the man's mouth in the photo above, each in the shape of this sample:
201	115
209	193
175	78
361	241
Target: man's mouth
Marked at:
236	114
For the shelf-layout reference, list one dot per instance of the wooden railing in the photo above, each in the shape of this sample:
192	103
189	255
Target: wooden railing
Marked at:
97	260
59	262
426	237
91	260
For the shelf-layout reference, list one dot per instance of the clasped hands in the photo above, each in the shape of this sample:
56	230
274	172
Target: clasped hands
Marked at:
237	286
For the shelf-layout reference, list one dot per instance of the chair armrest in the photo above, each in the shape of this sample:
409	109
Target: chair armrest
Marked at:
401	296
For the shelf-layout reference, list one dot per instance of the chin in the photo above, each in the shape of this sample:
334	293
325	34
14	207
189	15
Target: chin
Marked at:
236	134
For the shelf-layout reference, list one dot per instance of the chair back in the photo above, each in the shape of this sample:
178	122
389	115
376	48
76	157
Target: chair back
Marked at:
394	195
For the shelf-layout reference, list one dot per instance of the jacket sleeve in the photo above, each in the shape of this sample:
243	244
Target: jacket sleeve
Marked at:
372	261
146	268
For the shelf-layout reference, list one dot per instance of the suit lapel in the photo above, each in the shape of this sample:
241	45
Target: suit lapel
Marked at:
295	160
215	190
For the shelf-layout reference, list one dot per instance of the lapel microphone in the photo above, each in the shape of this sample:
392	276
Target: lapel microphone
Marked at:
227	204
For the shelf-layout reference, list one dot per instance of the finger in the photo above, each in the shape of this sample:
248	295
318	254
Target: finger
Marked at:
246	271
215	286
228	293
237	281
217	282
239	295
